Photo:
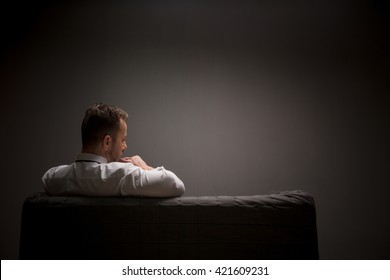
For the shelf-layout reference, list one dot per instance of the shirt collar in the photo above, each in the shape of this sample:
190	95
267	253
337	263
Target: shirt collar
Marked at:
91	157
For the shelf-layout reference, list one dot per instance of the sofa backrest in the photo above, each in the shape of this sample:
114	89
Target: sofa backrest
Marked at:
275	226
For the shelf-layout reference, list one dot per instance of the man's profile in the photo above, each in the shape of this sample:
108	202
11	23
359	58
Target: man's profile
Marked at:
99	169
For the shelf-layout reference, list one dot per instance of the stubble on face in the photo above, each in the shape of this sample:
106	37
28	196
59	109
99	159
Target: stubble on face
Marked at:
118	146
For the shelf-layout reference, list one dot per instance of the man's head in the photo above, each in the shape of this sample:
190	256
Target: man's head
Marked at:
104	131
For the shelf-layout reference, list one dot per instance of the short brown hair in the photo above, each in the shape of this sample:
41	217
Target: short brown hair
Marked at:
100	120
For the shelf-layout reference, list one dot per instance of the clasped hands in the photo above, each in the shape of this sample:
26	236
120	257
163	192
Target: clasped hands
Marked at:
137	161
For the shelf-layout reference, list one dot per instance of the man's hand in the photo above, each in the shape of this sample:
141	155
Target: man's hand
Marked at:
137	161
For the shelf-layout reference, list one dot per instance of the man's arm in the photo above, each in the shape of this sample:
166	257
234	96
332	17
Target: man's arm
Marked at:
147	181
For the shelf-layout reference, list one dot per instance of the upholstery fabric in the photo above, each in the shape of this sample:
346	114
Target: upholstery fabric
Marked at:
275	226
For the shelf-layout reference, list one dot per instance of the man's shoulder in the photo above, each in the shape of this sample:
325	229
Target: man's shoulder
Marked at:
56	170
118	168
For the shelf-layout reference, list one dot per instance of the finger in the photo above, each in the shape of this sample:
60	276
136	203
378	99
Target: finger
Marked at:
126	159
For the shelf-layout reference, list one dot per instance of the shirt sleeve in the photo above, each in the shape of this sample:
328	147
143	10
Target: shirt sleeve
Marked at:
158	182
48	178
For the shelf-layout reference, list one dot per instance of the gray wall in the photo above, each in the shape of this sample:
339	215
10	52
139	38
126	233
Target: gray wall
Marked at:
236	97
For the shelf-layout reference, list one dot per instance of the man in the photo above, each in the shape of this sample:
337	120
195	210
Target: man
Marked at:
100	171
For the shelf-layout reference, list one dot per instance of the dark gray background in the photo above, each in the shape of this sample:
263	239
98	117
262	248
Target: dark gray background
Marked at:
235	97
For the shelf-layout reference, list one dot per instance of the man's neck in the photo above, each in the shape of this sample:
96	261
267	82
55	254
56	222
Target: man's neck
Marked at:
94	151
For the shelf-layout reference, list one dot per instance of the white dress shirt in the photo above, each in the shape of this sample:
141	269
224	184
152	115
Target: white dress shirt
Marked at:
92	175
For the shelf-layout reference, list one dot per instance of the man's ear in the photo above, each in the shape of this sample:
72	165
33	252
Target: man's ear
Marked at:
107	142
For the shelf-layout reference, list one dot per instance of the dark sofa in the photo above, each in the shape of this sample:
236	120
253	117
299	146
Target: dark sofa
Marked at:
275	226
